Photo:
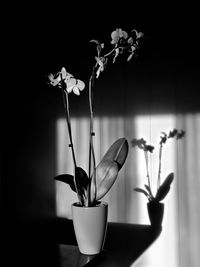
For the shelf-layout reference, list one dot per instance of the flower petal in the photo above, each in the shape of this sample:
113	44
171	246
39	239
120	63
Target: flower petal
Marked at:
76	90
130	56
70	88
54	81
123	34
80	84
140	35
115	36
63	73
70	82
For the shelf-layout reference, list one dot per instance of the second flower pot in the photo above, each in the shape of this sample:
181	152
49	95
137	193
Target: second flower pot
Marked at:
90	226
155	212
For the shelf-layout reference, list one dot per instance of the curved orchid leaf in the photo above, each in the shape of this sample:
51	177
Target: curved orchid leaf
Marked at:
164	188
68	179
140	190
81	184
106	174
117	152
81	178
107	170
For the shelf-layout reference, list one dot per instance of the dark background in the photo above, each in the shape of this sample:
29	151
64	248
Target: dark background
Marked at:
39	39
42	39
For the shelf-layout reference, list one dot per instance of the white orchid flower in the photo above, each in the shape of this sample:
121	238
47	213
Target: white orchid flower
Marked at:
74	85
117	34
54	81
64	74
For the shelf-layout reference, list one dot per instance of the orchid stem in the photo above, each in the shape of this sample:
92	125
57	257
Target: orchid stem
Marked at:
159	168
147	169
91	147
109	53
66	106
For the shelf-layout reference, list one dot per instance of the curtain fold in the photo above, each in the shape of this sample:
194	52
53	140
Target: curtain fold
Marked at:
188	189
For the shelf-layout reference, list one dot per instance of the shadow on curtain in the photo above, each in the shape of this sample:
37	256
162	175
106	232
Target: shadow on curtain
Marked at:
178	245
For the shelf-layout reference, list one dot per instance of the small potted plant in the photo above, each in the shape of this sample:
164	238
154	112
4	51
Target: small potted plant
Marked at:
90	213
155	206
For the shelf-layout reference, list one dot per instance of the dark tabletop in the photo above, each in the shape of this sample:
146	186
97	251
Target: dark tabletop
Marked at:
52	243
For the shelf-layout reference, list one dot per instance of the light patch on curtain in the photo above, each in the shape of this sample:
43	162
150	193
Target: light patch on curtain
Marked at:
125	205
164	252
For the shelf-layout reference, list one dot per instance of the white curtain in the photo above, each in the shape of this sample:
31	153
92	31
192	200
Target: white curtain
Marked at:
179	242
188	189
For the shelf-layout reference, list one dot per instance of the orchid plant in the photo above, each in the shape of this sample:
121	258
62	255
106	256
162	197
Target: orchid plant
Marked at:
91	186
164	187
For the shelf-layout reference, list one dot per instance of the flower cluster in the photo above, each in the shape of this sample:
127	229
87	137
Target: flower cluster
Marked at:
141	143
122	42
162	189
72	84
91	186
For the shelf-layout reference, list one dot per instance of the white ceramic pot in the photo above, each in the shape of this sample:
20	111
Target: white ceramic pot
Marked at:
90	225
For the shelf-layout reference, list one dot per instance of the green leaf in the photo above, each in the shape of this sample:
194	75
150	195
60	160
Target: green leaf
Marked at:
82	181
107	170
117	152
164	188
68	179
106	174
81	178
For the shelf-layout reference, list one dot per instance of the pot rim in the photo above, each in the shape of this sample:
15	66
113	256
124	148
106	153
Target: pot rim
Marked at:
100	205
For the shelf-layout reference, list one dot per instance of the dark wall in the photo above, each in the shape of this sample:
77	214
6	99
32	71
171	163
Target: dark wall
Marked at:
164	78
